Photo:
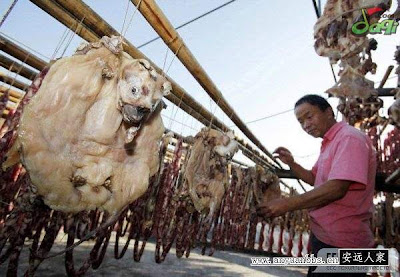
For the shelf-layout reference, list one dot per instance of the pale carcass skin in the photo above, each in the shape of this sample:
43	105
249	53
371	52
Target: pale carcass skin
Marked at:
75	137
207	169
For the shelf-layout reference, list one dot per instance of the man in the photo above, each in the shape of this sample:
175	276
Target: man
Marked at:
340	205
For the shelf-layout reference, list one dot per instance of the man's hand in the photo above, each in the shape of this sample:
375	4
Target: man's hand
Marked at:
284	155
273	208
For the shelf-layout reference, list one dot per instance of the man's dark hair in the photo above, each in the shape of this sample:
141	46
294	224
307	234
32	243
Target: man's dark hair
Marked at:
314	100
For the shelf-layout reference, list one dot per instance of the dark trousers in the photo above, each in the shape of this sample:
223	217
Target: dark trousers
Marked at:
317	245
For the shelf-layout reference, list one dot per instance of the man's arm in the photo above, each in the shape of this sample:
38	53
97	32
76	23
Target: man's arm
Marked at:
285	156
323	195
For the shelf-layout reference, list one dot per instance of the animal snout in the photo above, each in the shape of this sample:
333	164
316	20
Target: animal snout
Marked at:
142	110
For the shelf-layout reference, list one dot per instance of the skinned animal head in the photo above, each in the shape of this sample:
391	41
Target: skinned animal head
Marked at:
225	145
266	185
140	89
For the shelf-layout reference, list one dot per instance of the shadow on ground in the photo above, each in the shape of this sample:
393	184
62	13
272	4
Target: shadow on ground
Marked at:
220	264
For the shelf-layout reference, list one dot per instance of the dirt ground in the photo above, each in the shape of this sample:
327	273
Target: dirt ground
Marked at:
222	263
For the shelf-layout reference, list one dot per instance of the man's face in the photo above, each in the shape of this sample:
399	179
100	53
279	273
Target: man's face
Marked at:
314	121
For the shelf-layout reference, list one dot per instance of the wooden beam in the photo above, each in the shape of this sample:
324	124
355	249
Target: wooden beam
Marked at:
71	12
14	93
386	76
382	92
167	32
17	67
286	174
13	82
394	177
12	98
21	54
381	185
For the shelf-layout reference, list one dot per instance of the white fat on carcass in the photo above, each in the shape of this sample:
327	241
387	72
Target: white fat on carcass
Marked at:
89	139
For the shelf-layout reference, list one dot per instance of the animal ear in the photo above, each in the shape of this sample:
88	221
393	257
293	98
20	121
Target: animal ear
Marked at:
145	63
166	88
225	140
230	134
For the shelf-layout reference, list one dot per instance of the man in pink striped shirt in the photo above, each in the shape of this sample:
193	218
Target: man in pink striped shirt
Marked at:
340	205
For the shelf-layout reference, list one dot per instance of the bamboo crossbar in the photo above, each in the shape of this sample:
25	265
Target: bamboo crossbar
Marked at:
12	99
13	93
21	54
72	12
13	82
167	32
17	67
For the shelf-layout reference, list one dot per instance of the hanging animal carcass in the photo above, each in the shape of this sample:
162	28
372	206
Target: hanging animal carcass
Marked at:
334	39
90	136
206	170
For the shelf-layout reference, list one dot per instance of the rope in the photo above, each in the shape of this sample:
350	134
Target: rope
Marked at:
183	124
126	13
60	42
26	46
8	12
269	116
130	21
73	35
165	61
176	53
177	108
190	21
19	70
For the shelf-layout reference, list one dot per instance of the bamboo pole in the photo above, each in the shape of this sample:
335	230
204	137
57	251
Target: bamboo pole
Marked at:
167	32
14	93
13	82
11	98
21	54
386	76
71	12
17	67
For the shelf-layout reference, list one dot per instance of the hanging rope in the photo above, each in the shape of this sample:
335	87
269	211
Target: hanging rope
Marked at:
8	12
130	21
190	21
126	14
19	71
61	42
173	58
73	35
26	46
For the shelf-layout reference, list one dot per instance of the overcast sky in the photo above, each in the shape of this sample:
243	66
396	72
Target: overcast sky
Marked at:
259	53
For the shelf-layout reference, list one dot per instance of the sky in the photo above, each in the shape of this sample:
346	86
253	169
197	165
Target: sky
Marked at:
259	53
